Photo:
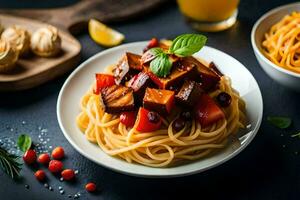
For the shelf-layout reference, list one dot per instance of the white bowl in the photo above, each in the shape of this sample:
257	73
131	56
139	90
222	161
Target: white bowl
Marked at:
279	74
81	79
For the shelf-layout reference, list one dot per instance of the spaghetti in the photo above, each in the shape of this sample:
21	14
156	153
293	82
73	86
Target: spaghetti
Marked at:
163	147
282	43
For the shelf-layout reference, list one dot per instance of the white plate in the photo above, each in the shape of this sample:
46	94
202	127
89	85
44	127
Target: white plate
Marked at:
81	79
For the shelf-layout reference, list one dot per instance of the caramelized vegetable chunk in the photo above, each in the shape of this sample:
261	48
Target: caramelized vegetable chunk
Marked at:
158	100
207	111
189	93
214	68
209	78
117	98
147	121
175	78
128	66
139	83
102	81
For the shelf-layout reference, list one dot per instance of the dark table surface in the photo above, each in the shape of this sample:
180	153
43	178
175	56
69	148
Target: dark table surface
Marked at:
269	168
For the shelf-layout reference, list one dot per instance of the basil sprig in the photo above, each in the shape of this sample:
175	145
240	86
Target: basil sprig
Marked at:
24	142
280	122
182	46
161	65
187	44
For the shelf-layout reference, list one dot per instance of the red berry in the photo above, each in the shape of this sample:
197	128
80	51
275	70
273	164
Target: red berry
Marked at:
55	166
40	175
68	174
58	153
44	158
29	156
90	187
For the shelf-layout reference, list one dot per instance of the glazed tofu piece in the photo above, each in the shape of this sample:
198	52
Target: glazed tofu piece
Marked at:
117	98
189	93
208	77
158	100
127	67
178	74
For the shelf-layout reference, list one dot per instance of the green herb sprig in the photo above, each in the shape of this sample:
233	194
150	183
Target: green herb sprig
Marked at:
280	122
296	135
24	142
182	46
10	163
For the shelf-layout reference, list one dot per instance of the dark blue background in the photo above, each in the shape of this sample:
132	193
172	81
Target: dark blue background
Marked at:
264	170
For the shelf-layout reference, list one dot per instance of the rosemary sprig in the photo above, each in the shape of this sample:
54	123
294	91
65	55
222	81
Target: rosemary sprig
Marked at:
296	135
10	164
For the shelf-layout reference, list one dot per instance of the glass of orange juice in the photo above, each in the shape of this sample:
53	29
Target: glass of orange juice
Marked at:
209	15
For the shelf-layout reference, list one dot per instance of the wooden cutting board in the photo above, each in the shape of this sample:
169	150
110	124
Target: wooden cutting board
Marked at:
33	71
75	17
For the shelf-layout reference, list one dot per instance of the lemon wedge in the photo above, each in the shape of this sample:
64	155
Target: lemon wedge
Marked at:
104	35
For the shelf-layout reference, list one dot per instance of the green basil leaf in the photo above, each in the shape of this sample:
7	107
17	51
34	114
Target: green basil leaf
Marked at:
280	122
156	51
24	142
161	65
187	44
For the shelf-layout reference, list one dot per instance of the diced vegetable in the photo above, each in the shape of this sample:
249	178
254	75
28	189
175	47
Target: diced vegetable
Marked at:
102	81
148	121
139	83
189	93
159	100
117	98
153	43
214	68
128	118
128	66
207	111
209	78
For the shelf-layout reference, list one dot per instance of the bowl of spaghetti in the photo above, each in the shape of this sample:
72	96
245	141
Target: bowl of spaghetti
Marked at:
276	43
160	108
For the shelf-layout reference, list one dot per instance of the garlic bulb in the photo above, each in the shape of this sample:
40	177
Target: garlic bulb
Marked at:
18	37
46	42
8	56
1	28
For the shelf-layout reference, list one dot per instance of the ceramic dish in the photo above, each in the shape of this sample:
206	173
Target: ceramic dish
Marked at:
80	80
282	76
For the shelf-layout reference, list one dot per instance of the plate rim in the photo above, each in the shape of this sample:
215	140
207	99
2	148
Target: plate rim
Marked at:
177	174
